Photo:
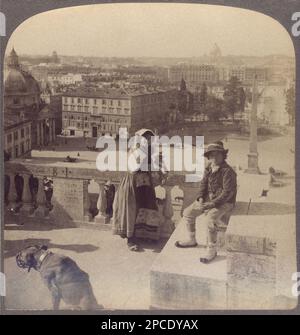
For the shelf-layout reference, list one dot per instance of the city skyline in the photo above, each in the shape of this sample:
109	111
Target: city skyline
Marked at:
164	31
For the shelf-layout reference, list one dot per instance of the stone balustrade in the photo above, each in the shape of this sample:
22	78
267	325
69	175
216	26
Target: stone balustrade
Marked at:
71	201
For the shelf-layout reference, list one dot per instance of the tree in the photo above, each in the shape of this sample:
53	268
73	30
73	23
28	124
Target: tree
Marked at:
242	99
231	96
203	96
290	104
214	108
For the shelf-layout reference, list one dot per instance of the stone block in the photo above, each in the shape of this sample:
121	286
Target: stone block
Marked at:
247	234
178	280
251	266
174	291
251	263
250	294
70	200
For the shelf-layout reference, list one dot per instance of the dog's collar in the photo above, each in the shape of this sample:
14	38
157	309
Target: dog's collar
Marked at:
42	257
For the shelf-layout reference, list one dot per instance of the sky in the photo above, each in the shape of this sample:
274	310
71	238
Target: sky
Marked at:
150	30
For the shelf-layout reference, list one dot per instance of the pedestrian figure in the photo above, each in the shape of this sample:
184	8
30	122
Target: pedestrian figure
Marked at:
48	189
216	199
135	211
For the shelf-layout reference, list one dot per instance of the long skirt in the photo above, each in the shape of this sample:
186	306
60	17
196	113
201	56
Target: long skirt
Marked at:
135	212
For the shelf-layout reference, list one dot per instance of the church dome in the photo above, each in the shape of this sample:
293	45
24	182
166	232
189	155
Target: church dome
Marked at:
15	82
19	81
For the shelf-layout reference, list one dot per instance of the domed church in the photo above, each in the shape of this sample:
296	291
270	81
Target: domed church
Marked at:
21	89
22	103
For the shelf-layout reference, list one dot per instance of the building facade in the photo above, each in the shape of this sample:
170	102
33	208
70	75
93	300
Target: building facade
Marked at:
64	78
100	112
193	74
17	137
23	103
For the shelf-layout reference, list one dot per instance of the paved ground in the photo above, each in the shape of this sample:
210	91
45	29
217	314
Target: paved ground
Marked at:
120	278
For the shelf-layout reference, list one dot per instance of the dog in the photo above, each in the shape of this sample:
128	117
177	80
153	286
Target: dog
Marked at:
63	277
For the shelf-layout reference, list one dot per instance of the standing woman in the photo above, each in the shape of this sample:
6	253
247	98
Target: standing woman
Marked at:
135	211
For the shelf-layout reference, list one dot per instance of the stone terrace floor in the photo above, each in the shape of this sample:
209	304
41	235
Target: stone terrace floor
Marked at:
120	278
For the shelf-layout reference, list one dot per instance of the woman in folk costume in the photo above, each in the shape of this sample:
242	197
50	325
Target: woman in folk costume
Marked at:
135	211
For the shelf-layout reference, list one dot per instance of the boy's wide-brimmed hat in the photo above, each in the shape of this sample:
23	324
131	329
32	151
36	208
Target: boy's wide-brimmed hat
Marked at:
217	146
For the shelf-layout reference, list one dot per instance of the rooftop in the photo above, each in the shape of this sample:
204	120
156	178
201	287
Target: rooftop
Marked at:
111	93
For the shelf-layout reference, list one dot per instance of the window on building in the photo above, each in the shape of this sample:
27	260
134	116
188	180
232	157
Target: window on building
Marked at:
16	135
16	151
78	118
103	102
9	138
22	148
111	102
79	100
79	108
86	118
95	101
86	125
16	101
86	101
95	110
66	100
78	125
72	100
86	109
72	117
22	133
119	102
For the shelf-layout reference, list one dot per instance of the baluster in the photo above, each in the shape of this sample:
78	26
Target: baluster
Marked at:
19	188
12	196
7	187
101	204
50	132
26	197
42	133
53	130
168	225
86	201
38	135
190	191
41	199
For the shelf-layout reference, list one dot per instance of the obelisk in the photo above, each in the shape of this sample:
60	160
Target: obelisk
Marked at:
253	154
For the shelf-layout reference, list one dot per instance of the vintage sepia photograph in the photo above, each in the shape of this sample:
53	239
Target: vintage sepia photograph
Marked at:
149	156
